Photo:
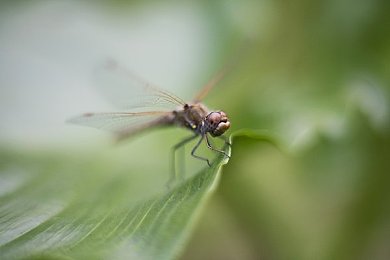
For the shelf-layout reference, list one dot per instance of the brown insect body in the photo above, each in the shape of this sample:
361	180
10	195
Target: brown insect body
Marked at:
197	118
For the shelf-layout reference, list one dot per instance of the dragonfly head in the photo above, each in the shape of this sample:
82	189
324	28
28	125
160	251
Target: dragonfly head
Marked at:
217	123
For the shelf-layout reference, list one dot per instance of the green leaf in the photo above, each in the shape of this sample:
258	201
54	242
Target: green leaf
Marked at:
56	206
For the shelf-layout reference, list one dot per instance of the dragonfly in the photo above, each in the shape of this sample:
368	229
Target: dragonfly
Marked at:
148	106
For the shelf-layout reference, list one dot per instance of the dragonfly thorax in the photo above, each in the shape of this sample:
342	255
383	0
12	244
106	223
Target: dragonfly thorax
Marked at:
191	116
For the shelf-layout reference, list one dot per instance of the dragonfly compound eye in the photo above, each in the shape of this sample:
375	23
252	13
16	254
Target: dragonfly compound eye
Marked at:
214	118
219	123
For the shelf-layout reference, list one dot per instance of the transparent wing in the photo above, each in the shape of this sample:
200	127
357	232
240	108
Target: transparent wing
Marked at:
127	90
212	82
229	66
123	123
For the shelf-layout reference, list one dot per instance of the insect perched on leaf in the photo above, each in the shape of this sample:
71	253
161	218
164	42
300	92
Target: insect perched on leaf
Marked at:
142	115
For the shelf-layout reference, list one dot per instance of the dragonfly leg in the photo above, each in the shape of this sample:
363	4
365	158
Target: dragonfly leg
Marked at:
214	149
225	139
197	156
173	157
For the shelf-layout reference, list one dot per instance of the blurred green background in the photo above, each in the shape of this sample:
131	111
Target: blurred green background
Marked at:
315	74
